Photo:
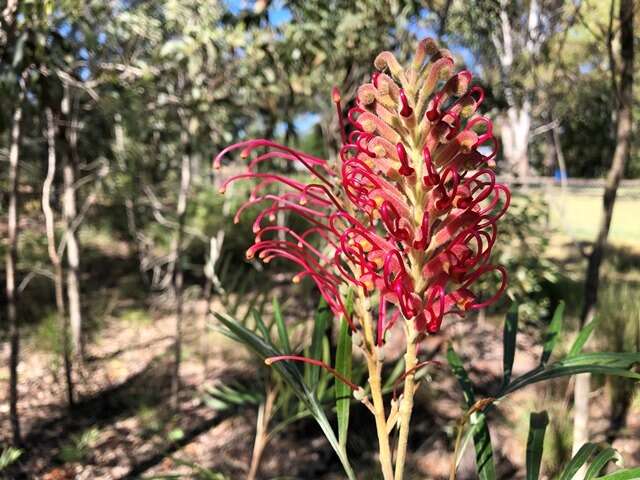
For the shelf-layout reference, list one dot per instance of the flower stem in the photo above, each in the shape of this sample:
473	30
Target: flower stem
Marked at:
374	366
406	404
456	450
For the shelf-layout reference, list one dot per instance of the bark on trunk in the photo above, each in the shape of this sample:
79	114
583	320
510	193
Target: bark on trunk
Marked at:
620	155
516	124
56	262
70	212
176	253
515	138
11	257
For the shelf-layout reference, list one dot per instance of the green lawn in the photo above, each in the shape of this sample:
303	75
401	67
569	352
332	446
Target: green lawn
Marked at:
578	215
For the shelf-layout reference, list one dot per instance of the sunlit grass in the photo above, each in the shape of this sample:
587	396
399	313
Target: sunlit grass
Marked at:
578	215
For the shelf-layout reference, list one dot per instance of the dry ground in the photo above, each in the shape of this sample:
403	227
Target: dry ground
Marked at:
129	432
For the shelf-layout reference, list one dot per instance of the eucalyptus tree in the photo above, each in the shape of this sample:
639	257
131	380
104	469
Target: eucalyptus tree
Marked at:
16	72
622	77
326	44
511	42
182	60
11	256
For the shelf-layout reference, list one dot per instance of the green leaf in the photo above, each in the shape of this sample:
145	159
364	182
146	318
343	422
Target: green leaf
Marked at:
609	359
260	325
325	377
484	451
558	370
582	338
291	375
283	335
398	369
344	356
224	397
584	454
628	474
553	333
455	362
8	456
537	427
509	342
481	438
321	321
604	457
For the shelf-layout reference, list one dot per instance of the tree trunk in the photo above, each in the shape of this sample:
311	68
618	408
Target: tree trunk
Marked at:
70	212
176	254
620	155
516	123
562	167
56	262
11	257
515	138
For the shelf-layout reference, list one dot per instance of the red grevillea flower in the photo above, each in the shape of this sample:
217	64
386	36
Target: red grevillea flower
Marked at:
409	214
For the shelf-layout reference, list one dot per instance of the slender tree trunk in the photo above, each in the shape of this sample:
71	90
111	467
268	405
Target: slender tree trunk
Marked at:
11	260
563	170
129	202
56	261
515	138
176	254
620	155
212	281
70	212
562	166
516	123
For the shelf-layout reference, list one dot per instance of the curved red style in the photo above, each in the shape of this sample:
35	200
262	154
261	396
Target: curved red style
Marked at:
410	212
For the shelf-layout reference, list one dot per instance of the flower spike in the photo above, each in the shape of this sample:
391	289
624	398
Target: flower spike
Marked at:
411	215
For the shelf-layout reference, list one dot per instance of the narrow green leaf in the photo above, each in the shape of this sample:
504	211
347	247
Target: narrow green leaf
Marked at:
321	321
292	376
262	328
608	359
344	356
325	377
553	333
582	338
509	342
484	451
627	474
481	438
584	454
283	335
558	370
398	369
455	362
537	427
604	457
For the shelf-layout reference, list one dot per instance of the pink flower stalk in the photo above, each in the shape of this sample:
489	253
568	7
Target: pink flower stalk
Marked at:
409	215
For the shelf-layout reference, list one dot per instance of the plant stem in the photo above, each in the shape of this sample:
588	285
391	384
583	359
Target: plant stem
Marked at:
454	461
375	368
406	405
374	365
262	435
